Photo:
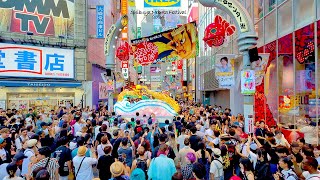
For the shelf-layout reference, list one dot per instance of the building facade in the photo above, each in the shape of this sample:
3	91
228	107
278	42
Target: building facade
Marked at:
289	31
43	63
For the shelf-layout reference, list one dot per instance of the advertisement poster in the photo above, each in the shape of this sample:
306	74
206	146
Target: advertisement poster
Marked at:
103	91
259	66
248	82
224	70
33	61
157	3
47	18
168	46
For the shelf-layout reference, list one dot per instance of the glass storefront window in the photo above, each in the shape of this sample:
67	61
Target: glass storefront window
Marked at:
304	12
318	9
260	8
260	33
285	24
286	80
269	5
305	94
270	30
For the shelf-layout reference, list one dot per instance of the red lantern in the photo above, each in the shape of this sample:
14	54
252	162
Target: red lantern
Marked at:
146	53
215	33
123	51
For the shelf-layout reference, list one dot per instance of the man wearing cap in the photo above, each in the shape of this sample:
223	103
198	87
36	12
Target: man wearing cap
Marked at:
17	159
216	167
29	152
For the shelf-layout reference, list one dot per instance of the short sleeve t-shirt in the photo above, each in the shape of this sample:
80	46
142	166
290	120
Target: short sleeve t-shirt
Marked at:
63	155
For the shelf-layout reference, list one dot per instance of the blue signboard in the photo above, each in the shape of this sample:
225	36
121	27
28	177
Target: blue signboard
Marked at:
39	84
100	21
161	3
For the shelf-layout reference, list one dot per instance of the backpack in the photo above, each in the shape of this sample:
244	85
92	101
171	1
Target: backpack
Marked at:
142	164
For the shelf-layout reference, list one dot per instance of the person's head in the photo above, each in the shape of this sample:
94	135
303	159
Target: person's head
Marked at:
138	122
190	157
104	140
262	124
301	142
141	151
262	155
44	152
306	151
310	164
124	142
18	158
278	134
163	138
186	141
64	140
224	61
11	169
166	122
82	151
282	151
295	148
117	169
31	143
115	133
163	150
246	164
285	163
5	132
198	170
137	113
216	153
107	149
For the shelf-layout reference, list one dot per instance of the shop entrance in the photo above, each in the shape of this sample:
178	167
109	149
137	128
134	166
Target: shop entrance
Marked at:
40	101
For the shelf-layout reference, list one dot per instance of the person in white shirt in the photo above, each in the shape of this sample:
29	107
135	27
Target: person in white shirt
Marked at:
78	125
30	154
310	133
181	138
216	167
19	142
280	140
85	171
209	133
100	148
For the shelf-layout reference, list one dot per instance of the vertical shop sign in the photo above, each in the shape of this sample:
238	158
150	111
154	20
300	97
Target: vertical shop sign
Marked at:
248	115
184	70
124	7
248	85
125	72
138	32
100	21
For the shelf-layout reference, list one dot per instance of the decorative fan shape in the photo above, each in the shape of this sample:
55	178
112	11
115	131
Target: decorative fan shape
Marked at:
123	51
216	32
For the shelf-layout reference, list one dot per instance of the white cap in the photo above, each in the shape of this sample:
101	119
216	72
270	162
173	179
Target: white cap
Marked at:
31	143
216	151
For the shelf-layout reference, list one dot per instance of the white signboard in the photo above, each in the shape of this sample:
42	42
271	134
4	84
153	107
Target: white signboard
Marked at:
184	70
125	72
33	61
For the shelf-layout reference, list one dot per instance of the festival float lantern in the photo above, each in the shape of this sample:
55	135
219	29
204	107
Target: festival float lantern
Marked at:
216	32
123	51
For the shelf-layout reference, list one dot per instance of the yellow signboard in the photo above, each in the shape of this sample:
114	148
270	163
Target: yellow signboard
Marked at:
124	7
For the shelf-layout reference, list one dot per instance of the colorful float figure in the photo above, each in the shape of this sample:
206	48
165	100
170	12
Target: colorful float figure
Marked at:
146	102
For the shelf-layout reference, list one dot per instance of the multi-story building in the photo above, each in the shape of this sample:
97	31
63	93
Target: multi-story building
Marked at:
289	31
43	53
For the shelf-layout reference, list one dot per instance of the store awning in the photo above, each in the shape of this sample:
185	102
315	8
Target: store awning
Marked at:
70	84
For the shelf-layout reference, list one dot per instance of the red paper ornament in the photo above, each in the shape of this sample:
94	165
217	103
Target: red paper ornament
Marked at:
146	53
215	33
123	51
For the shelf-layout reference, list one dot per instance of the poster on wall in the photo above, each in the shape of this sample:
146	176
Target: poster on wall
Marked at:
103	91
45	18
168	46
224	70
248	82
33	61
259	66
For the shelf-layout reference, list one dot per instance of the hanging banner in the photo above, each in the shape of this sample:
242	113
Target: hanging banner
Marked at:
100	21
224	70
248	86
103	91
259	66
168	46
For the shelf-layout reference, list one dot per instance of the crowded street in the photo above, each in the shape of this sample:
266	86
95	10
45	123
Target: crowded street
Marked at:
159	90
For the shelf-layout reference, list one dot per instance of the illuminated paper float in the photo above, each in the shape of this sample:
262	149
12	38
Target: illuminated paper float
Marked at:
159	104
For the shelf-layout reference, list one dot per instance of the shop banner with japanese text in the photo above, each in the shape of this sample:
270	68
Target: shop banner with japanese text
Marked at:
248	86
36	62
172	45
224	70
42	18
103	91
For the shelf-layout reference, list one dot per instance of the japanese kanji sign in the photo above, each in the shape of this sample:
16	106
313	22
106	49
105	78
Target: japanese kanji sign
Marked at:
100	21
31	61
240	17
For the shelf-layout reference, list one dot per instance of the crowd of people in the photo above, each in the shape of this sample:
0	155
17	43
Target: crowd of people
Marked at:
202	142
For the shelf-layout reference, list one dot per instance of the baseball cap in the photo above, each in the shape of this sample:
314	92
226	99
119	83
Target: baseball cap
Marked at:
19	156
216	152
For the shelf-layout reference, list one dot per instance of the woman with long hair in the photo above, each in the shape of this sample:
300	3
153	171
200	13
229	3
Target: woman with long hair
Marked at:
204	158
11	170
246	169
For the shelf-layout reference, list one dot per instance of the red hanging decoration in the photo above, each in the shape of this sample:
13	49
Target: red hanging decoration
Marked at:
123	51
146	53
216	32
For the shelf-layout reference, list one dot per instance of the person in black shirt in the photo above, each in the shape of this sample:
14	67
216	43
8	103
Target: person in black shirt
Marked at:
194	139
103	132
63	155
104	163
163	139
116	142
261	132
